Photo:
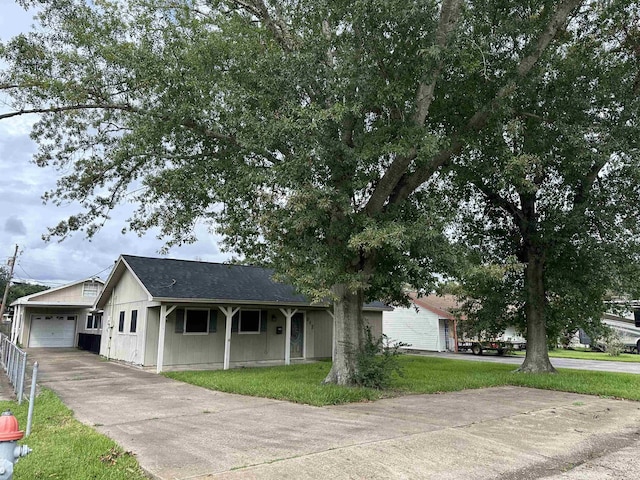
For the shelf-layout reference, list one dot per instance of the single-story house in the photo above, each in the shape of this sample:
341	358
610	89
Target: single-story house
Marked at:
59	317
169	314
430	324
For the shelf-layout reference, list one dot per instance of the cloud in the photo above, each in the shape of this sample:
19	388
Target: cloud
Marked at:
26	218
14	225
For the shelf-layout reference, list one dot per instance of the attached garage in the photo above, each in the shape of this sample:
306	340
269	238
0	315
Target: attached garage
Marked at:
53	331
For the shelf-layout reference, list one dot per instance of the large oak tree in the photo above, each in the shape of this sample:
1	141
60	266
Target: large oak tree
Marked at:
552	189
311	134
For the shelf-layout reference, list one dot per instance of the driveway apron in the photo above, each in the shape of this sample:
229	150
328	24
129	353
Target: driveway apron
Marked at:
179	431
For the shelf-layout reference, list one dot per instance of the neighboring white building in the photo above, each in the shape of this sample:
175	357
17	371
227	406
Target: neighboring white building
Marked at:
59	317
429	324
426	325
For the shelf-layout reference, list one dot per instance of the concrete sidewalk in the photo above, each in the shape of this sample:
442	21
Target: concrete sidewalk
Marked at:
180	431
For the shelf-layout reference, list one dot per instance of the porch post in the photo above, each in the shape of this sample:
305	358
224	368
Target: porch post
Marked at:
229	312
164	312
15	324
288	313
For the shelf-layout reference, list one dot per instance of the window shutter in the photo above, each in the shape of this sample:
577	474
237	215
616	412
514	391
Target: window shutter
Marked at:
264	317
213	321
235	321
179	320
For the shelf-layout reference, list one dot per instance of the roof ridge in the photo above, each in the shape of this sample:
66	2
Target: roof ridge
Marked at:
204	262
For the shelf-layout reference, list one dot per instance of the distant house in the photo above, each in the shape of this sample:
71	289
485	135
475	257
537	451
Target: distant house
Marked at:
430	324
59	317
169	314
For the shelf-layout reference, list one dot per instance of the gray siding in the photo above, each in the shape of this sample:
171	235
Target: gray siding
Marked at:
323	334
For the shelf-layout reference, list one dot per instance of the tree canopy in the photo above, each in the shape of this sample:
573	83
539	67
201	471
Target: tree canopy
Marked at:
316	136
17	290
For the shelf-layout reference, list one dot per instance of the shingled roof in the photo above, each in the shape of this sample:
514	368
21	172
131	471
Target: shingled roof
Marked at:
170	278
187	280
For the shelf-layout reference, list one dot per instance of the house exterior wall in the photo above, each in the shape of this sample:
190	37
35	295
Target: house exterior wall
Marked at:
374	320
70	294
320	323
420	329
322	333
127	346
182	350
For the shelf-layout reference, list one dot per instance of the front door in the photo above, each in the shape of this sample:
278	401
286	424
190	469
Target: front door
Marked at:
297	335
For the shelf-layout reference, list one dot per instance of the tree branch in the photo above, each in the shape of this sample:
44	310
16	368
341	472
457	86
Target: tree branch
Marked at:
187	123
498	201
410	182
277	26
449	14
584	188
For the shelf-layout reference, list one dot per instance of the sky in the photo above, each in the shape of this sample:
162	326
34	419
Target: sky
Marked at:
24	218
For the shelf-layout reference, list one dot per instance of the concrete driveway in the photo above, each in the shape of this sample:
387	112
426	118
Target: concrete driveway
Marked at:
179	431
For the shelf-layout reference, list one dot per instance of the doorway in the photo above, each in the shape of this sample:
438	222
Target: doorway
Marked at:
297	336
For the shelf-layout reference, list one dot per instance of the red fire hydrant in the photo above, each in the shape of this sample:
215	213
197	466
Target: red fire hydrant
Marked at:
10	452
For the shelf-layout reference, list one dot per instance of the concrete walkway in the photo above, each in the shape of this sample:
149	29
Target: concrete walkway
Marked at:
179	431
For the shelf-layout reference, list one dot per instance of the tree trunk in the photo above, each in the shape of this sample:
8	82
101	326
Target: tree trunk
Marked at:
348	331
537	358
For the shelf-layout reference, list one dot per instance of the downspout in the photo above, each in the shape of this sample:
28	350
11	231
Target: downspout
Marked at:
110	322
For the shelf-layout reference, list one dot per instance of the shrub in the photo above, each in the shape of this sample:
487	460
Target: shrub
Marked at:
615	345
377	361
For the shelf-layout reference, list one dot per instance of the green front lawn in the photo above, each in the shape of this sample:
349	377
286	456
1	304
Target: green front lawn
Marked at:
302	383
64	448
589	355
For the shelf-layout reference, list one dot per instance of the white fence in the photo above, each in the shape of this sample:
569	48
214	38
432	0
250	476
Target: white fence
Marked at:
14	362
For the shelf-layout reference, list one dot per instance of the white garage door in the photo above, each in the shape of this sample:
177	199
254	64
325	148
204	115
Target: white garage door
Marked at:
52	331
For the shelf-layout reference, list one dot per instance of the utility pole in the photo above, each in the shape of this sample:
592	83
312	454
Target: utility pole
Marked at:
6	287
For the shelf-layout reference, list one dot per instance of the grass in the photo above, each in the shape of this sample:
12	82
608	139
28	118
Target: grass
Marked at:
295	383
64	448
589	355
302	383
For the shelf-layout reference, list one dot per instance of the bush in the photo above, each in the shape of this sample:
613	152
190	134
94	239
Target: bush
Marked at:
615	345
377	361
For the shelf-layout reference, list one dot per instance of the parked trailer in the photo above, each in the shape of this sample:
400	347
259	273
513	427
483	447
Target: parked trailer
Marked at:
501	347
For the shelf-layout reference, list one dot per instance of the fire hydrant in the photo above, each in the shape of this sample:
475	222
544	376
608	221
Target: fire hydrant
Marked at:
10	452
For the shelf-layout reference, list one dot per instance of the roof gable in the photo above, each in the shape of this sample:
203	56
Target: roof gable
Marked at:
68	293
440	305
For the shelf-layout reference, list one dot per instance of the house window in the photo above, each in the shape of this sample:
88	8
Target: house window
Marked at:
121	322
90	289
134	321
249	321
94	321
196	322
